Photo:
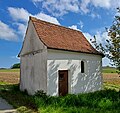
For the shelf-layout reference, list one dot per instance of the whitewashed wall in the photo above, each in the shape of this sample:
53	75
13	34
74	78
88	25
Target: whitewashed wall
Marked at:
79	82
39	71
33	59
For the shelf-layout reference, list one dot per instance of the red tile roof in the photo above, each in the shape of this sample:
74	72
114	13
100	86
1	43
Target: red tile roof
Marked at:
59	37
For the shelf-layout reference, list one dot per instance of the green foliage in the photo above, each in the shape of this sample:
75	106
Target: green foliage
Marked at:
109	70
41	94
114	42
104	100
15	66
105	103
112	86
99	101
17	98
111	49
24	109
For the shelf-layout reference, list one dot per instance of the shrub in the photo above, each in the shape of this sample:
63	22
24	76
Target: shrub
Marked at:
41	97
105	103
15	87
81	103
41	94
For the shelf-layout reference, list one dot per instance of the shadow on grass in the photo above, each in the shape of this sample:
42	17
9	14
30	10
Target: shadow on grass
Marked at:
102	101
15	97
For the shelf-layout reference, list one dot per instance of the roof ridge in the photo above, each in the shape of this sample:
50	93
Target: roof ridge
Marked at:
36	19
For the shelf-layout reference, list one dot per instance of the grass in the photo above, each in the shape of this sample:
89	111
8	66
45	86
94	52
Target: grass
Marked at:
19	100
105	70
107	101
9	70
109	70
112	86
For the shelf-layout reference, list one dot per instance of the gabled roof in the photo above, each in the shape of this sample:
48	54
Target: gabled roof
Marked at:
59	37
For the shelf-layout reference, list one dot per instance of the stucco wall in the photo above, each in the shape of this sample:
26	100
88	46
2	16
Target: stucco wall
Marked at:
33	59
79	82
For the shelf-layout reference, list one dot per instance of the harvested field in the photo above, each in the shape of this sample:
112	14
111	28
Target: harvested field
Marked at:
12	77
112	78
9	77
109	76
111	81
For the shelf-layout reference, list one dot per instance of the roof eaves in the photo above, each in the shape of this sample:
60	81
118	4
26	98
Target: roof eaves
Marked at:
101	54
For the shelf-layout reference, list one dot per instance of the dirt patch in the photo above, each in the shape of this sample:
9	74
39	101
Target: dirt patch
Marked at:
10	77
111	76
13	78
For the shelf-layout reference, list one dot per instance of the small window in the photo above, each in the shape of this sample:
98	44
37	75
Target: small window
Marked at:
82	67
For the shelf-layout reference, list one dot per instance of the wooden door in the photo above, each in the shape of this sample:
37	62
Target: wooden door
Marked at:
63	82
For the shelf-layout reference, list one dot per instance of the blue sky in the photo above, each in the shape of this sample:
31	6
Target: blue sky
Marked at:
89	16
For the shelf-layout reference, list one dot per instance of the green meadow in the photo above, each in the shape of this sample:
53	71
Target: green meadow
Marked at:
106	100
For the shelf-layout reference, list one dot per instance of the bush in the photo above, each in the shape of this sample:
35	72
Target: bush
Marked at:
41	94
105	103
100	99
41	98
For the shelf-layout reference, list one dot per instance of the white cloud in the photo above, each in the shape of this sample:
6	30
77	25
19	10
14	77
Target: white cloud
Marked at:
107	4
15	57
47	18
84	5
37	0
101	37
6	32
117	13
81	24
88	36
102	3
115	3
106	62
21	28
95	15
61	7
74	27
19	13
23	15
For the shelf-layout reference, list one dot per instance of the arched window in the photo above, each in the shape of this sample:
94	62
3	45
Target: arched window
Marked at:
82	67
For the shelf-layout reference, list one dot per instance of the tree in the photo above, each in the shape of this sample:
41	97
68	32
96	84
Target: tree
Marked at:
112	47
15	66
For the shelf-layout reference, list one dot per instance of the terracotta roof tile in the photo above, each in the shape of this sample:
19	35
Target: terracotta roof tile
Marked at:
59	37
